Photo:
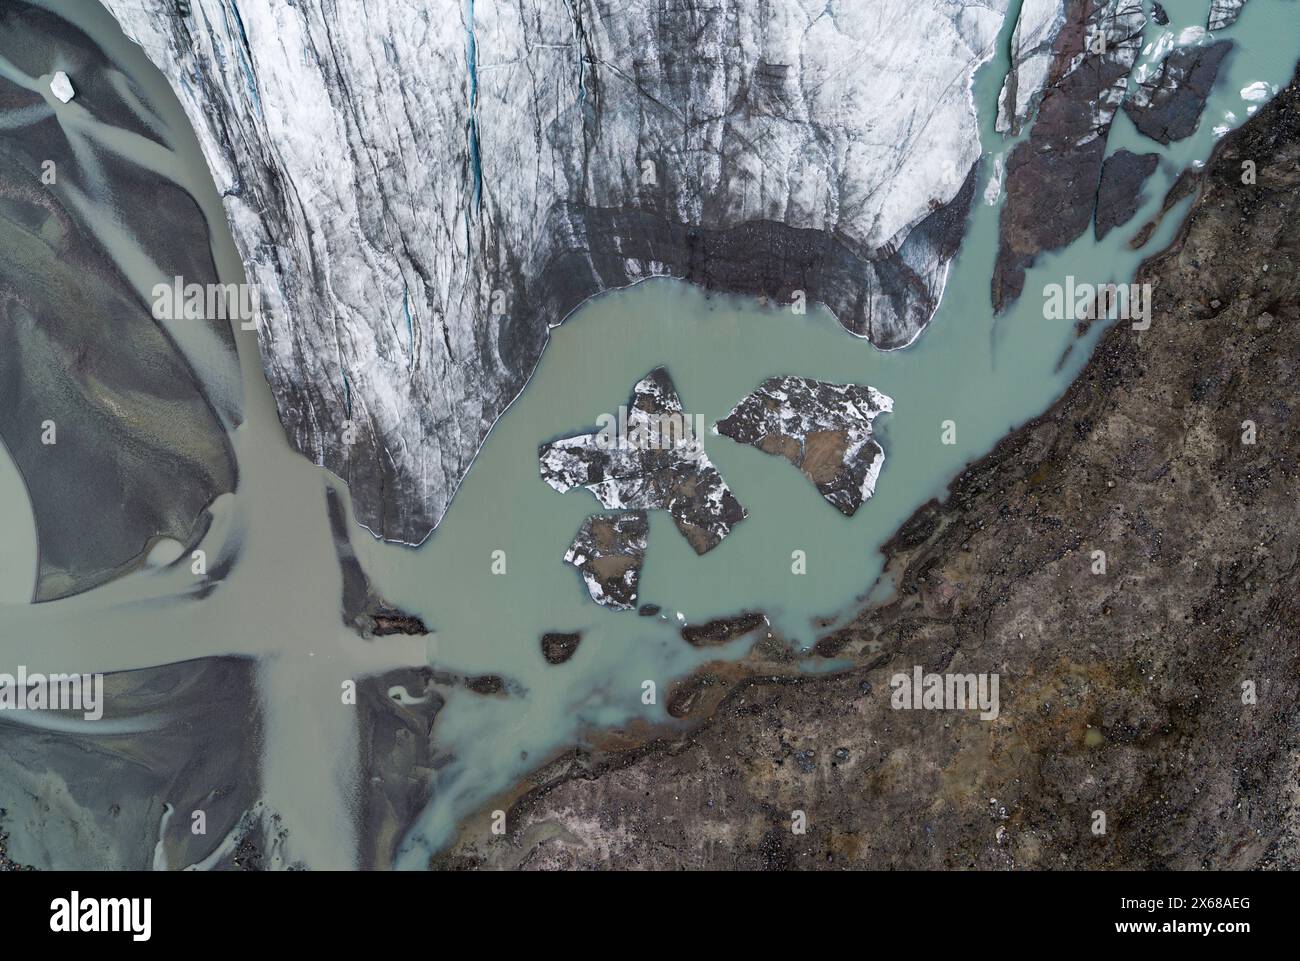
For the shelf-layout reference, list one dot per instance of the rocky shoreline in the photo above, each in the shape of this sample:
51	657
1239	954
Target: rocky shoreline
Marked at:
1124	681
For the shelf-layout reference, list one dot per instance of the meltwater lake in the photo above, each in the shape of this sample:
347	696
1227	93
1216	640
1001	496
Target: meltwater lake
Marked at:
279	602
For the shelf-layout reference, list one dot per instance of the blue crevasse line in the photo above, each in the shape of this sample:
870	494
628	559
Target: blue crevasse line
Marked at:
471	55
582	62
244	55
582	78
410	323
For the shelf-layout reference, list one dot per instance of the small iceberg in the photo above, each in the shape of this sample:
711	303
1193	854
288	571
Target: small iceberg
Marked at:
61	87
1257	92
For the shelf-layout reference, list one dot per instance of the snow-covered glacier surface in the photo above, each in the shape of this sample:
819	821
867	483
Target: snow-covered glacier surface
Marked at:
421	190
1036	30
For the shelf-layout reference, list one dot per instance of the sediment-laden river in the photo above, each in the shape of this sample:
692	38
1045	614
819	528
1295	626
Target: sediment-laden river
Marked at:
968	379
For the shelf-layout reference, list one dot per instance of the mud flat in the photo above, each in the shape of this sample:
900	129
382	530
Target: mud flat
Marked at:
122	792
101	408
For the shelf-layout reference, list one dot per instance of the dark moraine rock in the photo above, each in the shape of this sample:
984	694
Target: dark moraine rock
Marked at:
1159	15
649	610
387	620
1167	107
653	461
558	647
1120	193
486	684
363	609
609	550
1052	177
723	629
821	428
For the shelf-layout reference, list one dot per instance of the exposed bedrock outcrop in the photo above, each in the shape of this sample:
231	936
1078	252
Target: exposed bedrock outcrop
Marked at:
1120	192
823	429
1167	107
651	457
422	191
723	629
1052	177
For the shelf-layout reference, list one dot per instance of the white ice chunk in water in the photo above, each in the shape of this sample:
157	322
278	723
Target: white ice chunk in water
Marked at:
1257	91
993	192
61	87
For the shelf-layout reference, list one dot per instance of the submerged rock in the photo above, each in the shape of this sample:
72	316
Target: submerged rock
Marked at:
821	428
1168	106
651	459
609	551
1120	193
1052	177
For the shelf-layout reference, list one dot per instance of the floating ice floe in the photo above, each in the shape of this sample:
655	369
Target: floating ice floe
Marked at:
1229	122
1257	92
61	87
994	189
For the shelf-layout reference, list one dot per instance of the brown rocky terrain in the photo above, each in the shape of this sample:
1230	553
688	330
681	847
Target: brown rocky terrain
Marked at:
1052	176
1125	690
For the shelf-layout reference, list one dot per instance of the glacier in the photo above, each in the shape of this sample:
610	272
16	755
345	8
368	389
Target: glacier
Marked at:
423	191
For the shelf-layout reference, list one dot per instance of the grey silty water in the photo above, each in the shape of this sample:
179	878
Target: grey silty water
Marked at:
280	602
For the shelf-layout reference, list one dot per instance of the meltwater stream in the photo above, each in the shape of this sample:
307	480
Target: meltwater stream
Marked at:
280	601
